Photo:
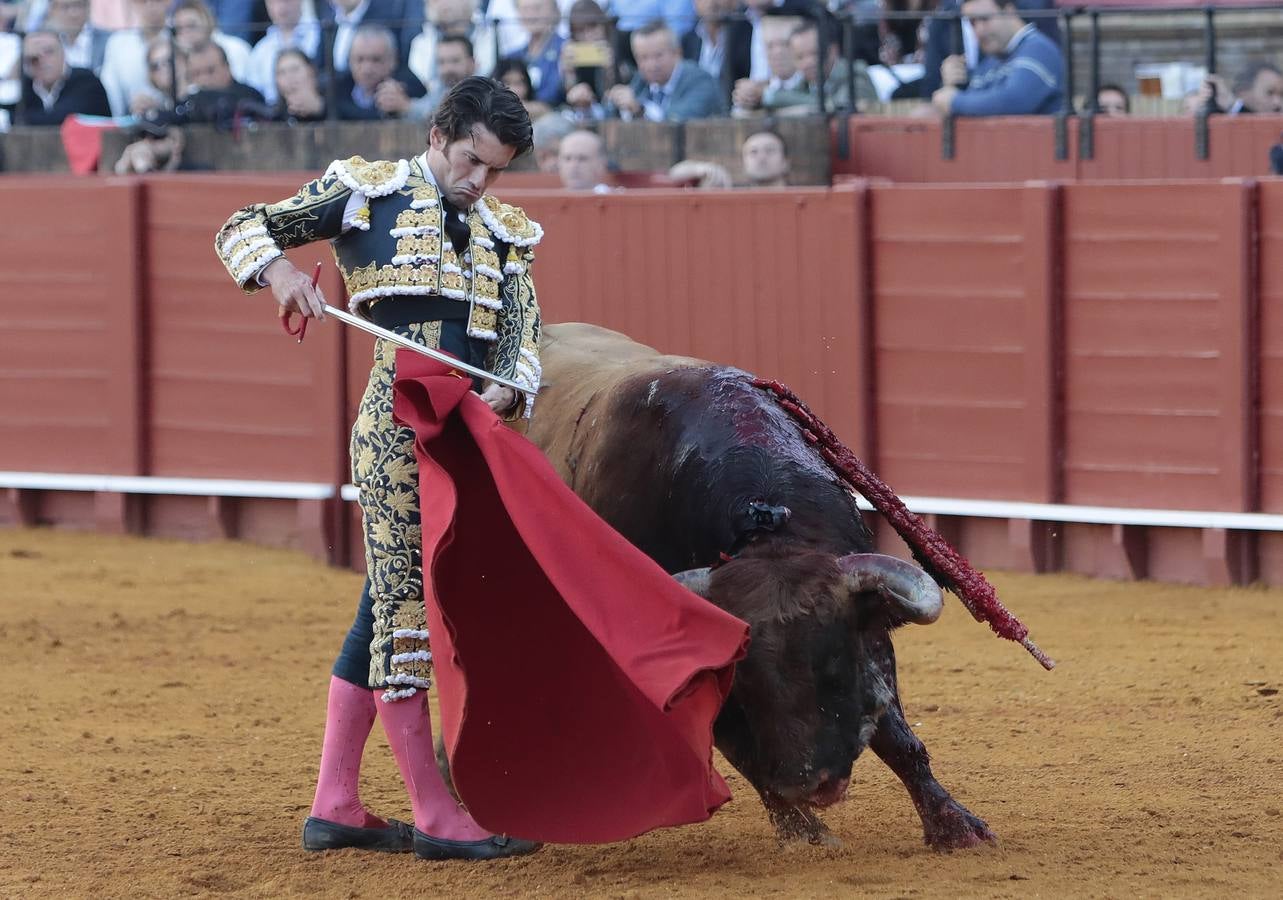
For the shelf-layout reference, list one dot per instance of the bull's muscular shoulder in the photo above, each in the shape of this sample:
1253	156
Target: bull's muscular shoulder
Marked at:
508	223
373	178
592	347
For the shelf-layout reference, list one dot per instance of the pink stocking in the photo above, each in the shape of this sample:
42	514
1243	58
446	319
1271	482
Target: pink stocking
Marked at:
349	716
409	729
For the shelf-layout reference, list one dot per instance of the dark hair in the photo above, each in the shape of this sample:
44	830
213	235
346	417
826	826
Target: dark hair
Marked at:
655	27
293	51
784	146
1247	76
825	29
583	13
201	48
478	100
513	64
458	39
1117	89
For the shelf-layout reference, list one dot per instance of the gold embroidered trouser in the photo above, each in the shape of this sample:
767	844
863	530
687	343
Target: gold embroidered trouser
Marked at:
387	474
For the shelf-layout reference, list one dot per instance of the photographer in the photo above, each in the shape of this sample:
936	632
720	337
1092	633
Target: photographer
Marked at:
587	60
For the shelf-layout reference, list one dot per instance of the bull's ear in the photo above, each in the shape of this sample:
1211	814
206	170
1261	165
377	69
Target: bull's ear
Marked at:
909	593
695	580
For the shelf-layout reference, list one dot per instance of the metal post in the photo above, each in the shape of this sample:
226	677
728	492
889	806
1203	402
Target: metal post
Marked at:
1087	120
1202	136
1067	83
173	69
329	34
947	125
848	55
822	56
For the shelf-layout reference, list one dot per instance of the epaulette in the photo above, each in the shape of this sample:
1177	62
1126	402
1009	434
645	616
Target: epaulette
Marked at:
509	224
373	179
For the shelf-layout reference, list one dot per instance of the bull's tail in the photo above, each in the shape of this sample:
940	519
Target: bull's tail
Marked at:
936	555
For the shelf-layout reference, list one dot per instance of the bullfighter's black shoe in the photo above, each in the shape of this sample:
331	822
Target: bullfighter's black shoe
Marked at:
320	834
496	846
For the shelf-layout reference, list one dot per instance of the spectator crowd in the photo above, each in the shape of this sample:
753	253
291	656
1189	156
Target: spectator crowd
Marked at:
167	62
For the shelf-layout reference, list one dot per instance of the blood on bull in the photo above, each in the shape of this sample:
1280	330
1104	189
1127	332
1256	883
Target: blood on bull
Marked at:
713	477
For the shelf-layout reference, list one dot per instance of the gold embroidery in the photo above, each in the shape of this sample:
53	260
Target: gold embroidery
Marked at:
513	219
387	473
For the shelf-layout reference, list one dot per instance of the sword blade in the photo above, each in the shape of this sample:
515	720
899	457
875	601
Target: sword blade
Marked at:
439	356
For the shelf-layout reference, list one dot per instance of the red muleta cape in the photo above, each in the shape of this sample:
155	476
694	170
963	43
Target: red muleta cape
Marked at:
578	681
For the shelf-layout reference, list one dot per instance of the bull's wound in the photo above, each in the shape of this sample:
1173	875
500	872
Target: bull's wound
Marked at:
722	461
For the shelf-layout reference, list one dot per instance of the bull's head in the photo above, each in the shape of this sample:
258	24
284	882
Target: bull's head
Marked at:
819	670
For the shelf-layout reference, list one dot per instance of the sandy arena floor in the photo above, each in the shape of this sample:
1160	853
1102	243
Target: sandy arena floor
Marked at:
164	702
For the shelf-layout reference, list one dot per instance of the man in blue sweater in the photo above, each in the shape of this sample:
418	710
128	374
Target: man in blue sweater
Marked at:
1019	73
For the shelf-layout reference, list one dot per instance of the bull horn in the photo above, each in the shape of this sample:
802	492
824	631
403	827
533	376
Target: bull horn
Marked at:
695	580
911	593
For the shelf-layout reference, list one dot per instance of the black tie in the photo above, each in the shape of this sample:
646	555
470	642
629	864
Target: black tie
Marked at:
456	228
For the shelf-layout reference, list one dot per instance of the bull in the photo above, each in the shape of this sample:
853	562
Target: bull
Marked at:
695	465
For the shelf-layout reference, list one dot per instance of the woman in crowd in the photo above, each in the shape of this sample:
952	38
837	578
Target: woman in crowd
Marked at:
513	73
297	88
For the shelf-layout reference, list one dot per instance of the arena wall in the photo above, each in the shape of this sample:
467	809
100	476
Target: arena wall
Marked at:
1082	358
1011	148
900	148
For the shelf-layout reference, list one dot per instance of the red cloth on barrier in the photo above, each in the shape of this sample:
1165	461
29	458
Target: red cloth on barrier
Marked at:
82	140
578	681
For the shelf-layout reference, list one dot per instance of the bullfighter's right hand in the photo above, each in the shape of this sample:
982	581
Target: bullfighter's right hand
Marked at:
292	289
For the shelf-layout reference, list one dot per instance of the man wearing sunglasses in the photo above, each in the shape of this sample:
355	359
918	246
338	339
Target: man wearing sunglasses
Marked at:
52	90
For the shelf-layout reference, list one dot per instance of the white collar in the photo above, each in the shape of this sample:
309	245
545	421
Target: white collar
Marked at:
354	17
672	81
1017	38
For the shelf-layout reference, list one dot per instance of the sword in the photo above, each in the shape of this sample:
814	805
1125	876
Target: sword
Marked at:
446	358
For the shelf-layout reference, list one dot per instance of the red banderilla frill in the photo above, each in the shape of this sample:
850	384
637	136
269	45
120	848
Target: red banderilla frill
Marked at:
940	560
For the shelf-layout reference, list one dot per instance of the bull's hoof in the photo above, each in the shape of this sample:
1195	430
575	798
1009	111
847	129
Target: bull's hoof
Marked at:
953	827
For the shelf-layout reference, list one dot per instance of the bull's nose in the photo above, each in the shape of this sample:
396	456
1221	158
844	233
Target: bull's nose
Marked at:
829	789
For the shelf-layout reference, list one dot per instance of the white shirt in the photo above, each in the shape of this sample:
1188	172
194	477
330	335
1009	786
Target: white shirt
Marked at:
711	55
80	52
423	52
759	67
50	97
237	54
348	23
650	108
124	70
260	73
10	52
512	37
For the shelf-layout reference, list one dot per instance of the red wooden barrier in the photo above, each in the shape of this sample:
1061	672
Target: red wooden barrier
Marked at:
1087	343
69	336
1020	148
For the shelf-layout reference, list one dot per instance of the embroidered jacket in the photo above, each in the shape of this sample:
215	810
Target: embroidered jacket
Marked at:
397	246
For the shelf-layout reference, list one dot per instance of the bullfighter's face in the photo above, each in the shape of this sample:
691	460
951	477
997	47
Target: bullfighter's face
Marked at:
465	168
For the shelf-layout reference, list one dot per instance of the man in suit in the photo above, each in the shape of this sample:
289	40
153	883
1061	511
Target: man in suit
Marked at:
52	90
375	86
806	42
721	42
403	17
85	45
666	87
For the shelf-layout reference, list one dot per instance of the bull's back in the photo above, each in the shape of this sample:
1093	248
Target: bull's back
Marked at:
583	369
